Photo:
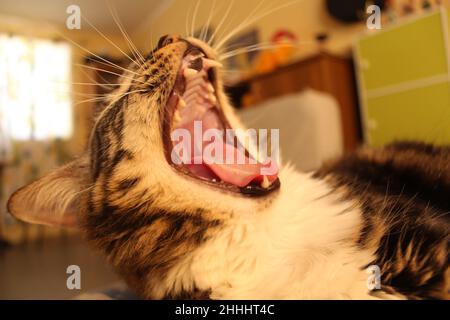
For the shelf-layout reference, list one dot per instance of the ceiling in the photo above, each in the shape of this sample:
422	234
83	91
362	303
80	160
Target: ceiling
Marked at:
132	13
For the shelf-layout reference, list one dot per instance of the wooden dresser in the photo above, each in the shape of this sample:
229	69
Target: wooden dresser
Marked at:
323	72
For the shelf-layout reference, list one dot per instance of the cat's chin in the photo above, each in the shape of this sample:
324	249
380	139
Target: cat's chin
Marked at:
194	105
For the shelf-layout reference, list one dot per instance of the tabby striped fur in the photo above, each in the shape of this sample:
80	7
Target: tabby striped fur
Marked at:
171	236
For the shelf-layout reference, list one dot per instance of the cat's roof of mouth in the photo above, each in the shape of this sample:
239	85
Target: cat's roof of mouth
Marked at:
197	101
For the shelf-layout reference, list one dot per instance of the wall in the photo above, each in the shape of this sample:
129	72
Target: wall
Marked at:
305	17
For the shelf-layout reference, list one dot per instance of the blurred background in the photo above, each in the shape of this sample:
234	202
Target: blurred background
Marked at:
330	74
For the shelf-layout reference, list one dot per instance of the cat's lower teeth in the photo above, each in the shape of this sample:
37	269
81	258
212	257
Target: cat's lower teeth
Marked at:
210	88
212	98
176	117
265	183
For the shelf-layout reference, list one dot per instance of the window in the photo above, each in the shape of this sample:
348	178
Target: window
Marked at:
35	85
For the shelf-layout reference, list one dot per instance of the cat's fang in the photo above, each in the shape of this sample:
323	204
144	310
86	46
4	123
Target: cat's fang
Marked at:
210	88
209	63
265	183
176	117
212	98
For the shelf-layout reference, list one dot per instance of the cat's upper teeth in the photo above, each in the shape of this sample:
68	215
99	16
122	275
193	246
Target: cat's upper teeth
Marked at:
192	99
209	63
189	73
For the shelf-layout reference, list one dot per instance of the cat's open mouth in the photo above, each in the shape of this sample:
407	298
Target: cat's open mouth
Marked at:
194	109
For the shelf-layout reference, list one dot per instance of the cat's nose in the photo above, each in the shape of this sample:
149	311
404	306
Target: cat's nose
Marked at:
167	39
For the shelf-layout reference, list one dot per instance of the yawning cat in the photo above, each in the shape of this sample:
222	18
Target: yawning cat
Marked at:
227	232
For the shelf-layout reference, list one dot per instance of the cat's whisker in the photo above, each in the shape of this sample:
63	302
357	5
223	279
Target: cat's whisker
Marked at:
98	75
239	49
246	50
105	86
114	97
138	56
251	14
119	67
130	44
95	84
222	21
83	94
74	92
133	91
148	46
239	46
251	21
111	96
107	71
231	71
262	46
186	22
152	46
205	28
89	100
194	17
110	41
103	60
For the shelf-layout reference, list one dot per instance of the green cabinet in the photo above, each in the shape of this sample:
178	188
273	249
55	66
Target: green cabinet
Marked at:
403	76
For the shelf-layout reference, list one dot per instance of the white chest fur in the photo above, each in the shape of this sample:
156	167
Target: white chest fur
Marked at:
301	247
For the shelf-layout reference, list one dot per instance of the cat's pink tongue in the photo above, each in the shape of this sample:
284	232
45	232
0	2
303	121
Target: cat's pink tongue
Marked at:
240	172
242	175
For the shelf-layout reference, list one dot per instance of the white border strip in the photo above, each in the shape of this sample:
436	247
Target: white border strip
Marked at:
407	86
362	93
445	32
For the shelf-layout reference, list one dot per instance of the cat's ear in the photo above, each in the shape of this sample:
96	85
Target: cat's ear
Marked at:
55	198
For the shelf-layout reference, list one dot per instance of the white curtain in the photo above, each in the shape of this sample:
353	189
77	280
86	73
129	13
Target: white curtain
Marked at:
35	113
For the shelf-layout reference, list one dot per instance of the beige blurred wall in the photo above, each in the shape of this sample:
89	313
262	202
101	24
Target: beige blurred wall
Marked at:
306	18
